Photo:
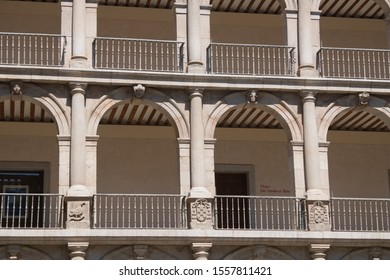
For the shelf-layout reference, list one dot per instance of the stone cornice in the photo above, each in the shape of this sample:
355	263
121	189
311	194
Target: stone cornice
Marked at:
186	80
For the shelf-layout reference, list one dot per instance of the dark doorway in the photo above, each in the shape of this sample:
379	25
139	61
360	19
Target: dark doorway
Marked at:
21	198
232	208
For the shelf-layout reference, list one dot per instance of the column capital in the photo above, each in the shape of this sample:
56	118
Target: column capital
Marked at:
200	251
78	87
319	251
307	95
77	250
195	92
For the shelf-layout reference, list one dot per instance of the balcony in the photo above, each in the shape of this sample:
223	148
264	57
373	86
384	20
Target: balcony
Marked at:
259	213
256	60
359	214
31	211
143	211
349	63
30	49
142	55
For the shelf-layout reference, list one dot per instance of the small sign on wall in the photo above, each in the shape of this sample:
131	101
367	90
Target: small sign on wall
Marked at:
265	189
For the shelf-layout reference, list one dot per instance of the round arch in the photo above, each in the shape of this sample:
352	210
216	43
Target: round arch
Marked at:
384	4
24	253
258	253
368	253
377	106
130	253
152	97
288	4
49	103
270	103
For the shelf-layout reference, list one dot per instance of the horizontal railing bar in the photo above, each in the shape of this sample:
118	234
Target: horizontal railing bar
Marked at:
251	45
254	196
353	49
138	40
32	34
144	195
360	199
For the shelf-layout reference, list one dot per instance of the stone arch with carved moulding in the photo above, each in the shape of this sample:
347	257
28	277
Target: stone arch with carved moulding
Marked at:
368	254
259	252
377	106
48	101
288	4
22	252
138	252
384	4
152	98
268	102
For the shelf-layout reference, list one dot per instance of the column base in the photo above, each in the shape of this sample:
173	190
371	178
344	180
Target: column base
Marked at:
79	62
195	67
308	71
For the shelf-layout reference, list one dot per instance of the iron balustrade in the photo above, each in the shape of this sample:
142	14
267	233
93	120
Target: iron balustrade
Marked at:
259	212
151	211
260	60
31	49
135	54
351	63
31	211
360	214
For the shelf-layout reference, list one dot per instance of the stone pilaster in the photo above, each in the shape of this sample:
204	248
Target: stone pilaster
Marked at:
66	29
200	251
77	250
91	162
318	251
64	163
184	162
180	10
296	167
290	25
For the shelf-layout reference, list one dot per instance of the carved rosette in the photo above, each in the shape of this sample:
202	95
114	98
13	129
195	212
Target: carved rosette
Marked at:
200	213
318	215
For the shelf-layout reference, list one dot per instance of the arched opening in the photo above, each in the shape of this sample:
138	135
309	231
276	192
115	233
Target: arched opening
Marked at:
138	174
359	169
252	166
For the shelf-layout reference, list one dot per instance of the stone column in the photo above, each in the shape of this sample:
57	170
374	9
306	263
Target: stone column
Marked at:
317	196
305	43
184	165
79	57
297	168
290	18
13	252
200	251
66	29
194	42
64	163
78	198
200	200
318	251
205	32
387	26
77	250
316	38
78	140
197	145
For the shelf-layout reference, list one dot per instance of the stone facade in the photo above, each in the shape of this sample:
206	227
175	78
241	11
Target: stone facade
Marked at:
139	140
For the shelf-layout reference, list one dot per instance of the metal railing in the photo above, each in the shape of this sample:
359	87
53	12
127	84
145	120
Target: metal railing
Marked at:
29	211
354	63
135	54
139	211
261	60
32	49
360	214
260	213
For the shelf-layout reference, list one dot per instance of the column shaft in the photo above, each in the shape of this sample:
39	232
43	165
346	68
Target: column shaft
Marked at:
311	152
194	35
78	149
197	145
79	29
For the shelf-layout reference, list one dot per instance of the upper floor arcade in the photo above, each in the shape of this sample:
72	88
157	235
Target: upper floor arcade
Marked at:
338	39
